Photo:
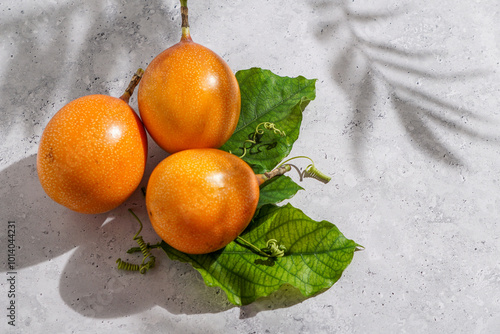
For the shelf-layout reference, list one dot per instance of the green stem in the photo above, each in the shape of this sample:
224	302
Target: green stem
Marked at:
273	249
297	157
252	246
140	224
186	35
148	246
261	178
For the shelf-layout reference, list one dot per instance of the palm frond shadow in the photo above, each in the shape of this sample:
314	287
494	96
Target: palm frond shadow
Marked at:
366	65
52	63
47	58
416	119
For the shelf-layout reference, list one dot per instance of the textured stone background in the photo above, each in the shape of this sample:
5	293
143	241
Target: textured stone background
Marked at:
405	120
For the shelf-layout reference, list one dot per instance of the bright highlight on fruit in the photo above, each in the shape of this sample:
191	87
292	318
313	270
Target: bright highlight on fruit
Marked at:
92	154
189	97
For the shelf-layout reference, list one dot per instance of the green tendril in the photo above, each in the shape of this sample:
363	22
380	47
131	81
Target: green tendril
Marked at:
275	249
122	265
272	250
310	171
259	131
148	260
148	246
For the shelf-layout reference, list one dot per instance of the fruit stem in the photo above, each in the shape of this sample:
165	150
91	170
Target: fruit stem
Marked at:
261	178
186	36
131	86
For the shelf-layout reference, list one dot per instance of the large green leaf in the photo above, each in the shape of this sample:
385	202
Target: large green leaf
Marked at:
317	254
267	97
277	190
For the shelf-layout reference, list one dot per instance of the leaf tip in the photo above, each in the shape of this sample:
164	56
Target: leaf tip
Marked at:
359	248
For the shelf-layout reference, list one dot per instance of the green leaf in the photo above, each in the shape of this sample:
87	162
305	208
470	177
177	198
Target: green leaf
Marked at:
267	97
277	189
317	254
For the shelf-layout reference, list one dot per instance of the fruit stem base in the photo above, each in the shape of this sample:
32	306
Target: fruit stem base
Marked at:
131	86
186	35
275	172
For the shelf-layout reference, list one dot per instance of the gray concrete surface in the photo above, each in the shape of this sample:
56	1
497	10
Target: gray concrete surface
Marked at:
406	121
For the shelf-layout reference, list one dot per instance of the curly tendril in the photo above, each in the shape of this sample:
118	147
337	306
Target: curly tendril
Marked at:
259	131
310	171
272	250
148	261
275	249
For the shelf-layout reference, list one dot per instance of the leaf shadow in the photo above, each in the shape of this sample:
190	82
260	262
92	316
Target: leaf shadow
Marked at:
65	49
367	66
415	121
90	282
255	144
59	53
285	297
171	285
268	262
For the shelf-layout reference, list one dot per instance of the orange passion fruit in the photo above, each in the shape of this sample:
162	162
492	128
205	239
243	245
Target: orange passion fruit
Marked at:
92	154
189	97
199	200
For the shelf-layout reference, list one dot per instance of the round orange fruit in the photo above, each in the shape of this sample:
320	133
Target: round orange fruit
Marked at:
199	200
189	97
92	154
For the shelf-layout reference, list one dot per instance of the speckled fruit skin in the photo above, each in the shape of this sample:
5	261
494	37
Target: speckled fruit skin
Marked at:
189	98
92	154
200	200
